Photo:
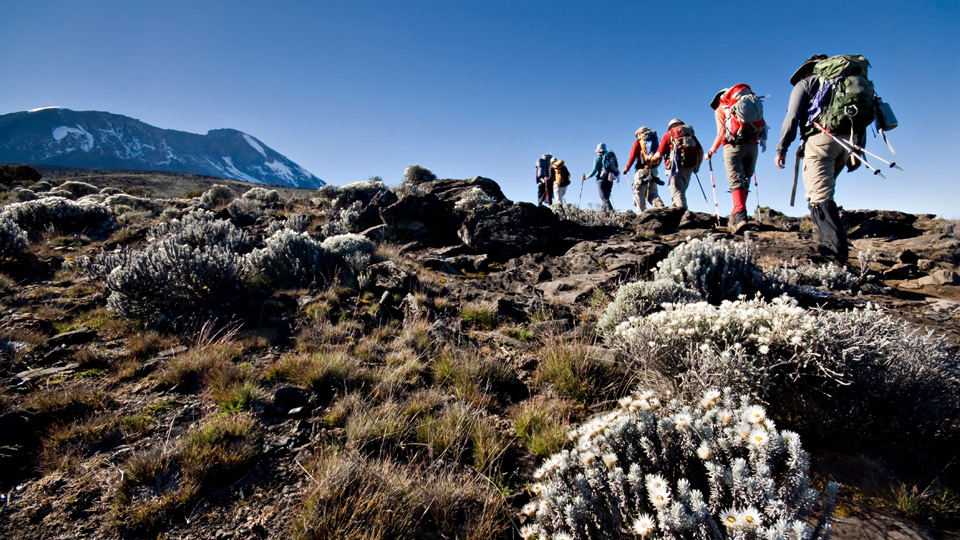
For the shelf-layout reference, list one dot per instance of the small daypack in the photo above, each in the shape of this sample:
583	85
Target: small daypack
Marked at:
648	147
744	116
683	146
562	173
543	167
610	164
845	100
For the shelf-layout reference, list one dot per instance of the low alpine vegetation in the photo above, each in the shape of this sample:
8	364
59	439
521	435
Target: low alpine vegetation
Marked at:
60	214
665	468
12	239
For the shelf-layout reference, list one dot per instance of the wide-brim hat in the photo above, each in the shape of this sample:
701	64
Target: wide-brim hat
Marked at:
806	68
716	99
674	122
601	148
642	129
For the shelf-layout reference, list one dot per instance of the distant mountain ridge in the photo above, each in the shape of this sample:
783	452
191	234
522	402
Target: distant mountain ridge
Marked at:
101	140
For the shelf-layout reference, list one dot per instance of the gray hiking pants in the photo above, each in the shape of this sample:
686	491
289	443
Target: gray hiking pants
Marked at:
740	161
604	186
645	188
678	187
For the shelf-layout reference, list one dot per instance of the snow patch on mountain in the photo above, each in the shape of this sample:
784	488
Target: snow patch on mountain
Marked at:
281	170
256	146
42	109
237	173
62	132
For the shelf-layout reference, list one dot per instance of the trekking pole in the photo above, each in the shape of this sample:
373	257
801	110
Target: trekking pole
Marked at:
853	152
796	173
705	196
756	188
580	201
853	147
716	204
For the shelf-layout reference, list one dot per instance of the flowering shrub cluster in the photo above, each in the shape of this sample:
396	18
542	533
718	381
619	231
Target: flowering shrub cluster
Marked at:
860	373
262	195
475	199
217	195
60	214
592	216
665	469
830	275
12	238
290	258
353	249
717	269
202	229
641	298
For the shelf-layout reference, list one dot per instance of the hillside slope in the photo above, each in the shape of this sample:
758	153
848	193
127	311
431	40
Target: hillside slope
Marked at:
410	381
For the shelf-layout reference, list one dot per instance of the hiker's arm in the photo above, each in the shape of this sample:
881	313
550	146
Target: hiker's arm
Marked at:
633	155
796	113
597	165
720	116
663	146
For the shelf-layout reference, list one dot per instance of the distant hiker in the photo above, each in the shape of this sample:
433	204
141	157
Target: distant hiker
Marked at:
846	115
561	180
740	128
684	158
544	180
606	169
645	178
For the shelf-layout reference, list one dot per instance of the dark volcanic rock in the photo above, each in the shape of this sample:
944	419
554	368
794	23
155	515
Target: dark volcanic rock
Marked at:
511	231
873	223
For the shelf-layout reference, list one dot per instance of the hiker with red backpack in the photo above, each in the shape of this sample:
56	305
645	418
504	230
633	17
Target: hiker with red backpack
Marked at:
832	103
740	129
606	169
682	155
645	178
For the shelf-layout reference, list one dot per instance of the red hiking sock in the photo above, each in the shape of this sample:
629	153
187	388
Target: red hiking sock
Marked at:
739	200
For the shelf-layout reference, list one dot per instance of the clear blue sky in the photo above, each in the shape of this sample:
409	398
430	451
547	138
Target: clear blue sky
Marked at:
353	89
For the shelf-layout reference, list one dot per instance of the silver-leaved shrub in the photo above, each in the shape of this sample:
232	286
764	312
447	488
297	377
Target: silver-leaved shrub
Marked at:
60	214
290	259
717	269
217	195
474	200
860	374
12	239
641	298
79	189
663	468
262	195
353	249
201	228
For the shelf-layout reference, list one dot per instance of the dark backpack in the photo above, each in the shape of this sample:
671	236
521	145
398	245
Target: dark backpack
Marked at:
684	147
610	164
845	100
543	168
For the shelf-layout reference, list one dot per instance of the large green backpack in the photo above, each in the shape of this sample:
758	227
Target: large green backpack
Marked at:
849	103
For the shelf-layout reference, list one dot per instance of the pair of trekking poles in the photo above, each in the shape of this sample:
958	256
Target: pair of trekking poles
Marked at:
716	203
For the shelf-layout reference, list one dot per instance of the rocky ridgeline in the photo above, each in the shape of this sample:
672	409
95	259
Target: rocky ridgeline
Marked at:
445	247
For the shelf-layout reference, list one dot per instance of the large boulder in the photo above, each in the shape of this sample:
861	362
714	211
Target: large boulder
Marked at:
879	223
508	231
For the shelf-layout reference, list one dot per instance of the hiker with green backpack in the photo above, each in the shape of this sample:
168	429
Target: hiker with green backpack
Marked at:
740	129
606	170
832	103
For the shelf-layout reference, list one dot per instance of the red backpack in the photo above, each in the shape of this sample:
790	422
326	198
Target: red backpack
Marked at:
744	116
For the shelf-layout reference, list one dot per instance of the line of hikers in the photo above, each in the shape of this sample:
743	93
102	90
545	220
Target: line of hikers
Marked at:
832	103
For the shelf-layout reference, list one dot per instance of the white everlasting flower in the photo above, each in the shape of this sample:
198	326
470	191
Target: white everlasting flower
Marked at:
609	460
562	536
588	459
659	499
655	482
743	430
537	488
763	349
704	452
682	421
528	532
759	437
730	518
644	525
750	518
529	509
754	414
725	417
710	398
625	401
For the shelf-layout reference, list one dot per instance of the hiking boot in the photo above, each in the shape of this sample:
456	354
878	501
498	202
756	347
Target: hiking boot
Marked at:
738	222
657	203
